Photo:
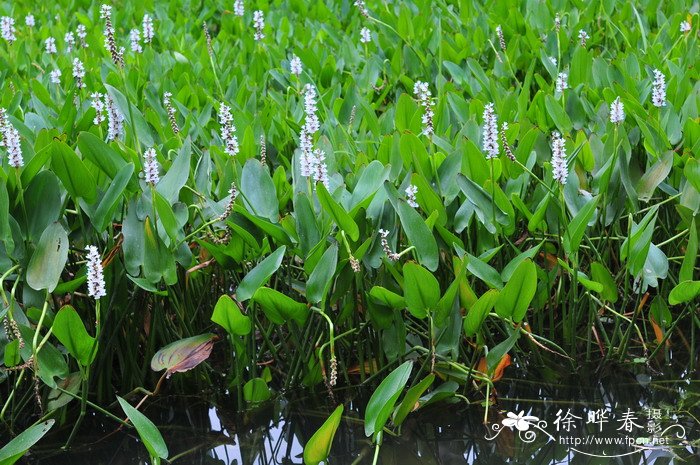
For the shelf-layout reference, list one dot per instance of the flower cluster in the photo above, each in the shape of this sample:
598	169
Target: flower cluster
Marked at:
501	39
583	37
360	4
69	39
95	273
99	106
81	31
78	73
233	194
11	141
228	130
295	66
29	20
562	83
55	76
490	132
658	93
263	150
259	24
391	255
135	38
617	111
208	37
312	161
238	8
557	22
365	35
171	112
420	89
504	140
50	45
411	192
685	27
553	61
150	167
7	29
115	120
147	27
110	41
560	171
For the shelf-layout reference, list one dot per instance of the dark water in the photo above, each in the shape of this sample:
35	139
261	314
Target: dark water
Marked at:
626	403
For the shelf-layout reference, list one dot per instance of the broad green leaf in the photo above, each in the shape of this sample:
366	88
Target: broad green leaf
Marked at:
495	355
322	276
256	391
280	308
228	315
110	201
183	355
383	399
386	297
259	275
18	446
166	216
558	115
336	211
684	292
148	432
485	207
514	299
5	231
102	155
73	174
410	401
258	190
654	176
421	290
691	254
479	311
49	258
318	448
158	261
600	274
177	175
577	227
70	331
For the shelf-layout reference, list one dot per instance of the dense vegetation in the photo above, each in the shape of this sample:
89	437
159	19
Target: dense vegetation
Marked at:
339	188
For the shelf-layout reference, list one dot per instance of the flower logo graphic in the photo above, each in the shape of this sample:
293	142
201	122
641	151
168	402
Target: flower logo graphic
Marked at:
521	421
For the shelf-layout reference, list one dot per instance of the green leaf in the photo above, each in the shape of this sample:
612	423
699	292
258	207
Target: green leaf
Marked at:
258	190
496	354
256	391
339	215
654	176
73	174
70	331
577	226
322	276
600	274
421	290
260	275
102	155
5	231
410	400
228	315
17	447
166	216
318	448
280	308
558	115
484	205
514	300
684	292
384	398
478	312
48	259
148	432
386	297
108	205
158	261
692	172
183	355
691	254
170	185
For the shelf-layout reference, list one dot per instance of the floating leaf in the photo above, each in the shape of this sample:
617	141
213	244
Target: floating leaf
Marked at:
183	355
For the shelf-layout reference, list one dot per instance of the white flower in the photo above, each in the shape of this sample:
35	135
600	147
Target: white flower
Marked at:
553	60
29	20
78	73
490	132
238	8
69	39
411	192
259	24
10	140
583	37
228	130
147	26
501	39
99	106
421	90
685	26
150	167
135	38
365	35
95	273
391	255
50	45
295	65
559	168
557	22
105	11
115	120
360	4
562	82
7	29
55	76
658	93
521	421
320	169
617	111
171	112
81	31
